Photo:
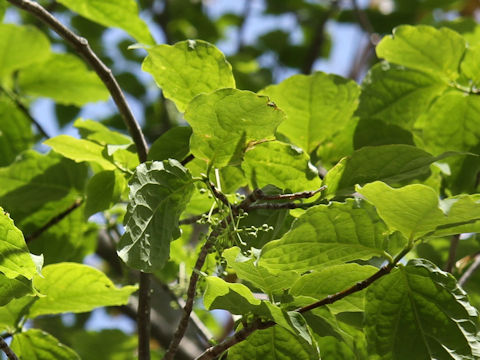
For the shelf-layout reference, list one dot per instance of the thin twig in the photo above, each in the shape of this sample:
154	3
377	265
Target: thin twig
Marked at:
189	158
362	18
6	349
19	104
53	221
470	271
294	196
452	253
143	316
241	335
82	47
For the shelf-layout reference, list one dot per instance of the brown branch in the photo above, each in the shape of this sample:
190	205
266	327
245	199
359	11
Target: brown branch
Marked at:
241	335
82	47
6	349
143	317
362	18
53	221
452	253
470	271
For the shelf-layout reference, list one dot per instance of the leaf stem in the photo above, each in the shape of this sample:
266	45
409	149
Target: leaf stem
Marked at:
6	349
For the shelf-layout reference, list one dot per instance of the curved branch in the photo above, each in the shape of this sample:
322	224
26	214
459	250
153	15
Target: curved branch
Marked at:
6	349
82	47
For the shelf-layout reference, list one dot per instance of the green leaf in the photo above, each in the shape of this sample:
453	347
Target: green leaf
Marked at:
111	344
15	131
419	312
272	344
103	191
159	192
327	235
452	123
424	48
397	95
229	121
64	78
14	288
25	46
258	276
173	144
414	210
80	150
91	289
280	164
122	14
95	131
12	313
470	66
388	163
317	106
329	281
39	345
376	132
15	259
187	69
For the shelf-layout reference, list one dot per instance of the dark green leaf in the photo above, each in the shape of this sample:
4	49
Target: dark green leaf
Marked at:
103	191
14	288
174	144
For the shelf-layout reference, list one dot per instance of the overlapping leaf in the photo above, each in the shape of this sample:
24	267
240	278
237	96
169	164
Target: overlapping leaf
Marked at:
14	288
228	121
317	107
419	312
104	190
187	69
174	144
159	192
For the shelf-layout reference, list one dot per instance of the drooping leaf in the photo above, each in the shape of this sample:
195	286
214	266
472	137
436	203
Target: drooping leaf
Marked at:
15	258
317	106
95	131
258	276
272	344
397	95
80	150
14	288
388	163
64	78
327	235
227	122
39	345
452	123
419	312
174	144
103	191
159	192
122	14
71	287
329	281
187	69
25	45
15	131
282	165
424	48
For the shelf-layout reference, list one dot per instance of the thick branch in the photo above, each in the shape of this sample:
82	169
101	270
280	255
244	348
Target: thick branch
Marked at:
6	349
452	253
53	221
82	47
143	317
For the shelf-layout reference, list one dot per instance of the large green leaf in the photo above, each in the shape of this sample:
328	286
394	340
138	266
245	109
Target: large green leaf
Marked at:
258	276
329	281
229	121
414	210
273	344
397	95
95	131
36	344
424	48
419	312
452	123
280	164
159	192
71	287
173	144
15	259
25	45
12	313
317	106
389	163
103	191
374	132
122	14
328	235
187	69
14	288
80	150
64	78
15	131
